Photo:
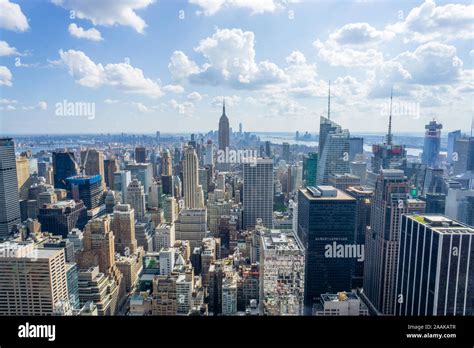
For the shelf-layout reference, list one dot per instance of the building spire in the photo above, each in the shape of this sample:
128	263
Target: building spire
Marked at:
223	106
329	101
389	134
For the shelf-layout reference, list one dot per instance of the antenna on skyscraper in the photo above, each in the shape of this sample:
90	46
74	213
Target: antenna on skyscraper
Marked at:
329	101
223	106
389	134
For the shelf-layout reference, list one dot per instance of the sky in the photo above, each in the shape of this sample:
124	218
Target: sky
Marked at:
141	66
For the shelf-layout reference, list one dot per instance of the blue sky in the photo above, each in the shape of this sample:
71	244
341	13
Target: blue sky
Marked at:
166	65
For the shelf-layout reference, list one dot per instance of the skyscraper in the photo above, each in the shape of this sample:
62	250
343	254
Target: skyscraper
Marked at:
224	136
282	273
33	279
99	250
9	199
258	192
122	179
64	166
123	226
363	198
93	163
166	163
432	144
310	168
193	195
334	151
209	158
140	154
87	188
136	199
387	155
452	137
111	166
62	217
286	152
391	200
326	222
435	267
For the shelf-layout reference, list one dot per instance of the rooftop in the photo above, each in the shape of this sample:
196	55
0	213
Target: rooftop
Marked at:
442	224
323	192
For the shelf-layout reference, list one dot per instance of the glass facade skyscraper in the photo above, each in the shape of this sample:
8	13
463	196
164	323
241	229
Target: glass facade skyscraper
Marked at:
435	267
9	199
326	220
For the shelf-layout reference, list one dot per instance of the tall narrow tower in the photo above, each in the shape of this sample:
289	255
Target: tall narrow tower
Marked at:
193	196
224	140
9	205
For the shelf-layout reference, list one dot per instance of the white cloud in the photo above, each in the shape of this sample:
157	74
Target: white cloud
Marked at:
122	76
109	12
431	22
42	105
353	45
360	34
173	89
302	77
339	55
11	17
181	66
90	34
231	61
140	107
230	100
195	97
5	76
211	7
8	101
7	50
111	101
185	108
430	64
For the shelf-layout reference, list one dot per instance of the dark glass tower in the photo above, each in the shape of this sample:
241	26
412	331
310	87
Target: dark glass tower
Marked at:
326	219
64	167
9	199
86	188
435	267
310	168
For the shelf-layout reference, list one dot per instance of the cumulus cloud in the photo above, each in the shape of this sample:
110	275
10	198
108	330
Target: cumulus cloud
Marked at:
195	97
140	107
431	22
12	105
230	100
211	7
109	12
230	56
185	108
5	76
181	66
121	76
7	50
11	17
360	34
429	64
89	34
173	89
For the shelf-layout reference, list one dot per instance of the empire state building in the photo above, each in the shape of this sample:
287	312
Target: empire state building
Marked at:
223	130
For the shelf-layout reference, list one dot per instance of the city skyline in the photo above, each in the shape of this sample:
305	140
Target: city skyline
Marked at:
220	50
